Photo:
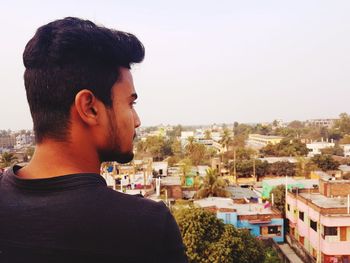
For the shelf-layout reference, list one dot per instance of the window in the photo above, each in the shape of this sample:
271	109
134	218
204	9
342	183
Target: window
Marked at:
274	230
288	207
330	231
301	216
313	225
227	218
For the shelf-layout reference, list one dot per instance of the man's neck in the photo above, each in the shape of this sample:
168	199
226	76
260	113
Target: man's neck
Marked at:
52	159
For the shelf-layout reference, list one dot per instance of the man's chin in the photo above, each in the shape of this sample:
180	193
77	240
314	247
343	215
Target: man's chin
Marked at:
117	157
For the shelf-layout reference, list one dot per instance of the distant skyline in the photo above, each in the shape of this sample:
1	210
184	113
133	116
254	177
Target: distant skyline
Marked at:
206	62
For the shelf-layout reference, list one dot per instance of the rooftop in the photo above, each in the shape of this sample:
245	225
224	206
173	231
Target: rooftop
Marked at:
325	202
301	183
279	159
241	209
241	193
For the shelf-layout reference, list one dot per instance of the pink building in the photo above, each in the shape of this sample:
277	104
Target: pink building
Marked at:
319	222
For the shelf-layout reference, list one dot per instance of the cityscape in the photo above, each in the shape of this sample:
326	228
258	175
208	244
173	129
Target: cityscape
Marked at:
264	192
241	123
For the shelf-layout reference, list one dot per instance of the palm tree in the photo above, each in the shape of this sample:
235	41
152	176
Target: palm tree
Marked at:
207	134
190	144
213	185
8	159
226	139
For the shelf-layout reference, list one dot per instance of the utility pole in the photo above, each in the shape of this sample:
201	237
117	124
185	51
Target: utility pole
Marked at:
234	164
254	168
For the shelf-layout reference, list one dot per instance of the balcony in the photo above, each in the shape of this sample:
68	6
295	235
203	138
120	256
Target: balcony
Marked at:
335	248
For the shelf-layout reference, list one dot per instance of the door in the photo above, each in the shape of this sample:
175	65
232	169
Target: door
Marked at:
342	233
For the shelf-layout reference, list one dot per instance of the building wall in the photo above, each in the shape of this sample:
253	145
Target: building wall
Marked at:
255	229
228	217
233	219
315	240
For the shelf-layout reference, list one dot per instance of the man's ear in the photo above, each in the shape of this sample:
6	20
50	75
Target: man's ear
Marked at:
86	105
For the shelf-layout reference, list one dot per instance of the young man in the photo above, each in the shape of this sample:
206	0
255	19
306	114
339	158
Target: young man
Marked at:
58	208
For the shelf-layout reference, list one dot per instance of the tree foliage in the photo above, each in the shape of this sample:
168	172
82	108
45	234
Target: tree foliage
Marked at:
213	185
207	239
325	162
8	159
282	169
279	197
286	147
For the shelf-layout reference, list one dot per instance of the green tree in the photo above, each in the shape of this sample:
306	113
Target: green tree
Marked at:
197	153
226	139
271	256
296	125
283	169
207	239
213	185
336	150
8	159
279	197
286	147
325	162
304	167
343	123
207	134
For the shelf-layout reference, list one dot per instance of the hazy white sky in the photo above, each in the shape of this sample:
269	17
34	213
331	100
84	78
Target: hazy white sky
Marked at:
206	61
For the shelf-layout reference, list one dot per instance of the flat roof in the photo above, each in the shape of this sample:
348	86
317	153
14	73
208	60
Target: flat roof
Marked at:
306	183
325	202
241	209
240	192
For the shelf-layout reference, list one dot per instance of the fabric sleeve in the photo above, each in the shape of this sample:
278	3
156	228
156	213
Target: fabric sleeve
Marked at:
173	249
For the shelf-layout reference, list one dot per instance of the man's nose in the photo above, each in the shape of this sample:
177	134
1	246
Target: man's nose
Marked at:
137	120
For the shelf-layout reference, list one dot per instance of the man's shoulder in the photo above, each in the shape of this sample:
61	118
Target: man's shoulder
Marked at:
133	205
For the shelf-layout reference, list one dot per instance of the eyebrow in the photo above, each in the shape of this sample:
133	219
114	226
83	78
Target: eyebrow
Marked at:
134	96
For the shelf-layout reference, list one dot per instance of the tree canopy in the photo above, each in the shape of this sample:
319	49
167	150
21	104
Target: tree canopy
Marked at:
213	185
207	239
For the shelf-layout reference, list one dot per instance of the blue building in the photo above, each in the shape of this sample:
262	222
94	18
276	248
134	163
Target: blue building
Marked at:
259	219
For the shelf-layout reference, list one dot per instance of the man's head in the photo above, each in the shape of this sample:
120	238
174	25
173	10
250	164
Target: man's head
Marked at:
78	73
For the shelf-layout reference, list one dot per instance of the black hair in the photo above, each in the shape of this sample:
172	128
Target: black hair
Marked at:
66	56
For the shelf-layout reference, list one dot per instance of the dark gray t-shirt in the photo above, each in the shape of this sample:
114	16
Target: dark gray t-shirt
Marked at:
77	218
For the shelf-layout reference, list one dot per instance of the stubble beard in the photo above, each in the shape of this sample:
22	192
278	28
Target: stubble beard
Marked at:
113	152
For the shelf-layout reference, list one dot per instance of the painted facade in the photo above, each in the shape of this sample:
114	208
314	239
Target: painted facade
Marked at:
320	224
262	221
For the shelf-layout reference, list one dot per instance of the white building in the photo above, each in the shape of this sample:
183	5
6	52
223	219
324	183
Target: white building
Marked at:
316	147
258	141
346	148
161	168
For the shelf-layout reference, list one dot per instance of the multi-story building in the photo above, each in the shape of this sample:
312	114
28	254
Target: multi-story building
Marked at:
316	147
7	141
346	148
329	123
319	220
258	141
260	219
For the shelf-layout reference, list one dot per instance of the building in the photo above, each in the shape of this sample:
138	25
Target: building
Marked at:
8	141
271	160
172	186
346	149
261	220
242	194
269	184
316	147
23	140
329	123
160	168
319	221
258	141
